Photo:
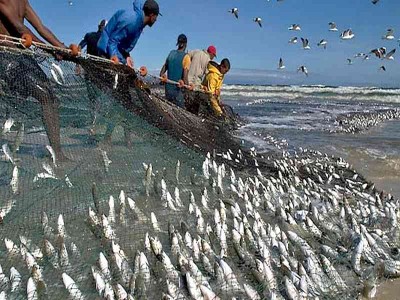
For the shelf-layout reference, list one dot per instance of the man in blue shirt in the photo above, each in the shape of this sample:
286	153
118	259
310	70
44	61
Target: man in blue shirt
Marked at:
174	67
123	30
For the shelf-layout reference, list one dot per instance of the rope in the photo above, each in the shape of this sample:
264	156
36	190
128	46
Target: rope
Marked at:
20	42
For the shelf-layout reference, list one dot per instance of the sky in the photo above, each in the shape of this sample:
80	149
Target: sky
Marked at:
248	46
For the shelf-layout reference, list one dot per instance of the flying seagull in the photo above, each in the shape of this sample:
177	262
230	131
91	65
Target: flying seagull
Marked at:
303	69
258	20
389	35
360	54
295	27
389	56
293	40
375	1
281	66
332	26
322	43
382	68
235	12
306	45
347	34
349	61
379	52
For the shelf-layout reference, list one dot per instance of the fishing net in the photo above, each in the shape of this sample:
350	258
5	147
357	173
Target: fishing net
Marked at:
138	206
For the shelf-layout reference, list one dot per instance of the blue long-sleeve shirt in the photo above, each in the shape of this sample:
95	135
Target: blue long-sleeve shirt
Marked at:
122	32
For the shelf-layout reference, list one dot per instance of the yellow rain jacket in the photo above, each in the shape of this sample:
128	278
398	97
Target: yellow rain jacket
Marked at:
212	83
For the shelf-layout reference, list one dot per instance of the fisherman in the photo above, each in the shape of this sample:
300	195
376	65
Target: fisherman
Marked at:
175	69
91	39
213	82
22	74
123	30
196	61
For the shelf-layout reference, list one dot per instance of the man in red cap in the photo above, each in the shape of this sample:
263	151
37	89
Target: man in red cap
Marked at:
196	62
194	70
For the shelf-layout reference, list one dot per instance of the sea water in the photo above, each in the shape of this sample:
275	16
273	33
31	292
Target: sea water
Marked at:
304	116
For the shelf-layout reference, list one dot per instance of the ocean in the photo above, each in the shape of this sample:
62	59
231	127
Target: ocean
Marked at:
304	116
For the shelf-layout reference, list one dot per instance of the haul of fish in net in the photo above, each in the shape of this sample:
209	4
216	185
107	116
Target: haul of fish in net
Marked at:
195	216
311	228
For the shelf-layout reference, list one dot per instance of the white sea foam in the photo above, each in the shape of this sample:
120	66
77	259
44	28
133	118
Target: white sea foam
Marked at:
268	93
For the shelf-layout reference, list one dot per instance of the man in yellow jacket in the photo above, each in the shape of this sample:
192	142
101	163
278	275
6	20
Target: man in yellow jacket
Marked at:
213	82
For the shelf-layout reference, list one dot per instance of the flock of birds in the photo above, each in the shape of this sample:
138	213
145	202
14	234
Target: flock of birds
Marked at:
347	34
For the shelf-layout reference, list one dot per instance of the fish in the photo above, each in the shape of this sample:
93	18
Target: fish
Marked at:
31	290
71	287
53	154
111	212
7	153
154	222
4	281
177	171
14	180
19	138
51	254
60	226
58	74
7	125
107	162
12	249
115	81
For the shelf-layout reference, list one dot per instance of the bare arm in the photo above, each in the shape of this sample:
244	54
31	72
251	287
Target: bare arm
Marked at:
35	21
13	24
163	69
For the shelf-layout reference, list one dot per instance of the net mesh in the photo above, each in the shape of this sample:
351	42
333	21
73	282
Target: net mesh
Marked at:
138	210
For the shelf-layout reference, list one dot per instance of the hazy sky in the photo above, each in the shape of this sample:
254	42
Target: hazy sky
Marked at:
246	44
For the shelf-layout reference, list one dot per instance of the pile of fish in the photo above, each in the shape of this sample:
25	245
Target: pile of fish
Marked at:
361	121
314	229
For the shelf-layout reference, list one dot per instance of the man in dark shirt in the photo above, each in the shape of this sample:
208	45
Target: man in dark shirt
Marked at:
91	39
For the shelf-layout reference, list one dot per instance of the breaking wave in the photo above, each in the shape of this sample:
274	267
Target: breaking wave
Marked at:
317	92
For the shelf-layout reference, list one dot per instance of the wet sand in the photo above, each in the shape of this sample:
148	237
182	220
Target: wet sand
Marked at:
389	290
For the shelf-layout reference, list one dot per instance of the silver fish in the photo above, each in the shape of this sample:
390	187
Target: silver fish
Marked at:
53	154
7	125
19	138
71	287
31	290
14	180
7	153
177	171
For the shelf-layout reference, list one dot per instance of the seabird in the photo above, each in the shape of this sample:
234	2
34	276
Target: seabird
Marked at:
293	40
235	12
303	69
389	35
375	1
306	45
360	54
349	61
280	65
332	26
295	27
258	20
322	43
380	52
347	34
389	56
382	68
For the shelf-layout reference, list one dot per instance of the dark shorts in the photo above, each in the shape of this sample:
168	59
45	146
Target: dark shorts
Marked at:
174	94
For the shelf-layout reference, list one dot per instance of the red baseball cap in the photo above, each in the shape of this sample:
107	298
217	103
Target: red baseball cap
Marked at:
212	50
